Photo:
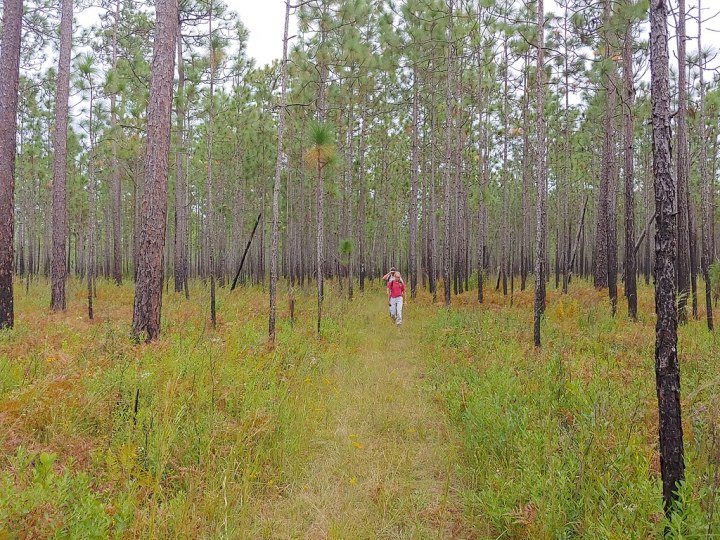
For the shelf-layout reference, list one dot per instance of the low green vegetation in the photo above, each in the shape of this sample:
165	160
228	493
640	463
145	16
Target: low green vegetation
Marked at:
562	442
451	426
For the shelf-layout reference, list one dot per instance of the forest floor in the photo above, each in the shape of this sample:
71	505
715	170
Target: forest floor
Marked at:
385	463
451	426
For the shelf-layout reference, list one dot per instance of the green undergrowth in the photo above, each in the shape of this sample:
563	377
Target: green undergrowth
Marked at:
203	433
561	442
182	438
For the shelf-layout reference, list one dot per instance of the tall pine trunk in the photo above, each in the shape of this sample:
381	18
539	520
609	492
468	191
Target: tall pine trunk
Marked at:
274	242
683	225
667	369
447	176
541	229
58	268
414	188
705	187
629	172
115	183
10	69
180	265
151	241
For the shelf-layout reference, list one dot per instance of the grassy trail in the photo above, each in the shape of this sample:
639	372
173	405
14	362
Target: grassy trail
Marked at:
385	462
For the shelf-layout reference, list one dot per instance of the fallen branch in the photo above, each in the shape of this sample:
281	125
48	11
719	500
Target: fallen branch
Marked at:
247	248
644	233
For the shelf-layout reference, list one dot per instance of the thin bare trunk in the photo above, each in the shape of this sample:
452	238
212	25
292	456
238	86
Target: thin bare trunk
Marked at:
10	68
151	243
629	173
276	184
541	231
58	269
683	203
707	233
667	369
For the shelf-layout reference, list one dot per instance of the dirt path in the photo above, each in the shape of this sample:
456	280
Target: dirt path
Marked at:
385	460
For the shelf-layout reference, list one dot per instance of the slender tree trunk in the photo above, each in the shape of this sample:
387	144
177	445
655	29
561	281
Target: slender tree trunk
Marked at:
58	269
505	225
278	173
629	173
567	163
667	369
705	188
348	217
115	182
483	155
91	210
432	240
541	231
683	226
414	188
449	105
525	244
10	69
210	231
149	274
362	213
180	265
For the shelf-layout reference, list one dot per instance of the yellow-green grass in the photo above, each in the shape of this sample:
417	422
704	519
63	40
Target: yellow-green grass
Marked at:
452	426
561	442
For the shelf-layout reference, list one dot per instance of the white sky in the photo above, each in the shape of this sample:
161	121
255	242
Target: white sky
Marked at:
264	19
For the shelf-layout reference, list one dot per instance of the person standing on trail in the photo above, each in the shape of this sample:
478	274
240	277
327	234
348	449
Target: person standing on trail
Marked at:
388	278
396	292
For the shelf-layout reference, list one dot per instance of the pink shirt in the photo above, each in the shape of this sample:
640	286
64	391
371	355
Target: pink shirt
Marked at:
396	288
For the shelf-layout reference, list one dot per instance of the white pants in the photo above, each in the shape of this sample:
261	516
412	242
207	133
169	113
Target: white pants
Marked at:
396	305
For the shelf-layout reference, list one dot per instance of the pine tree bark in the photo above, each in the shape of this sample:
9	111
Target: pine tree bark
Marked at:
211	229
362	202
151	242
58	268
447	176
683	226
705	188
525	242
320	196
180	264
629	174
541	229
414	188
10	69
91	209
667	369
505	225
274	242
115	182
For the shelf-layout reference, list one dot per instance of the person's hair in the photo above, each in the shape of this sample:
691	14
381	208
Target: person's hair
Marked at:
398	276
392	269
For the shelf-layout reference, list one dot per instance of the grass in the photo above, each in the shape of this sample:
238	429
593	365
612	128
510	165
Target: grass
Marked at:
562	442
452	426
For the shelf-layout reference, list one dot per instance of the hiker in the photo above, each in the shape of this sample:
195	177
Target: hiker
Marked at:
388	278
396	291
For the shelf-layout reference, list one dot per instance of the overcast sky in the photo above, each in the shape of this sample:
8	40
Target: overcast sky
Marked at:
264	19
